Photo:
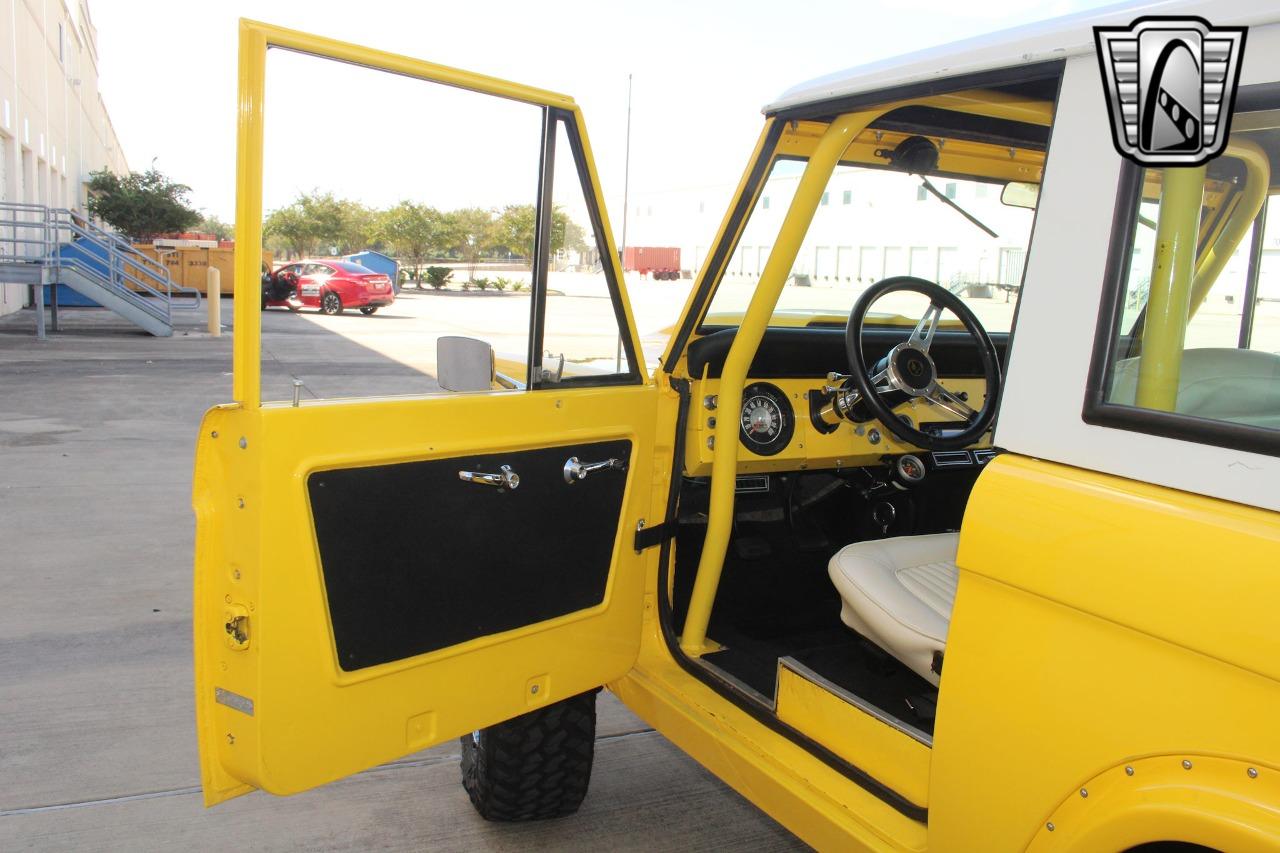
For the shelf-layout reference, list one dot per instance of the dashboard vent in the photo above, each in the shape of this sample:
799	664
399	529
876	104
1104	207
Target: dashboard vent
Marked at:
982	457
754	483
951	459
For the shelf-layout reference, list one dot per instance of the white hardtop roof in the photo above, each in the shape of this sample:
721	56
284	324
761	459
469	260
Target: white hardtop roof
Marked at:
1057	38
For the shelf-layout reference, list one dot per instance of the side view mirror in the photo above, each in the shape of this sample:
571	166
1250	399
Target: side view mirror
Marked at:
464	364
1020	194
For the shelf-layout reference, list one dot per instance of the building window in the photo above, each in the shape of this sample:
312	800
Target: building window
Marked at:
62	41
848	197
921	193
702	207
950	191
825	198
765	203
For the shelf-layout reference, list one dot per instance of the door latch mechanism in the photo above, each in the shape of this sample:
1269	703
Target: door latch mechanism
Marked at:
236	619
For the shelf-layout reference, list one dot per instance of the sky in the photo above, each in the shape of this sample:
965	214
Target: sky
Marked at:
700	73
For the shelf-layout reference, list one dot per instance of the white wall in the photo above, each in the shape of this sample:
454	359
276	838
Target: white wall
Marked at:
54	127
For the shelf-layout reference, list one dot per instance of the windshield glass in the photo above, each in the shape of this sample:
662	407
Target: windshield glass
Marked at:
874	223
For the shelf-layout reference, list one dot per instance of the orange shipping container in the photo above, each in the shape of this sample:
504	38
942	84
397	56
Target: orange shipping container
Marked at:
646	258
189	266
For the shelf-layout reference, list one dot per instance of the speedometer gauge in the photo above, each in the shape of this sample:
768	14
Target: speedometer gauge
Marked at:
767	420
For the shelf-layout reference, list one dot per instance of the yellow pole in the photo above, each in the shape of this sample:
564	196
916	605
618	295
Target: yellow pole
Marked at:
724	464
1169	302
1256	183
246	378
213	297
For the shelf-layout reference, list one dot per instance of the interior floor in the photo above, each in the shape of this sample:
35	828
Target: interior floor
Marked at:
775	598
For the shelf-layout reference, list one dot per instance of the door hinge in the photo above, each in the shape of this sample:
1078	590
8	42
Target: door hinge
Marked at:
647	537
236	624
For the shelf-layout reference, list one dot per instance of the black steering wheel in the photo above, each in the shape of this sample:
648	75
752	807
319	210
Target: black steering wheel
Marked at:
907	372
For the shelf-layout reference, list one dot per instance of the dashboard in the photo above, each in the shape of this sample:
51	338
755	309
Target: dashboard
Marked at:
778	426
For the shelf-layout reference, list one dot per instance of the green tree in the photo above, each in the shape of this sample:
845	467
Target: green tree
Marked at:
327	217
288	229
413	231
470	233
575	238
359	228
515	226
318	221
514	229
210	224
141	204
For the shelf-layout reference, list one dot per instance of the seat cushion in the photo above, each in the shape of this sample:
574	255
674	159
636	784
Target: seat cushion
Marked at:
899	593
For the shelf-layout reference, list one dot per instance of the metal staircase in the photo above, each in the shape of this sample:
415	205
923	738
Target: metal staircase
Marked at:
50	246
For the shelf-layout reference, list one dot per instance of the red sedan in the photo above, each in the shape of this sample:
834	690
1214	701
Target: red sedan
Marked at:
329	285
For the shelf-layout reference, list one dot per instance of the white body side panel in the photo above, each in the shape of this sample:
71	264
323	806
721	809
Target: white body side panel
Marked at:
1053	341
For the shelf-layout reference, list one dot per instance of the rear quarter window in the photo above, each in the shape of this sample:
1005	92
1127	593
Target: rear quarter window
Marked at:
1188	345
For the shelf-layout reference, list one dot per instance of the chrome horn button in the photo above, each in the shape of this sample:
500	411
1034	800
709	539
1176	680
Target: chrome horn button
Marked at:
911	370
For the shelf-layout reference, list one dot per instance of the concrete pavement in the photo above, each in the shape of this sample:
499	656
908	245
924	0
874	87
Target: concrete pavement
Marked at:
97	745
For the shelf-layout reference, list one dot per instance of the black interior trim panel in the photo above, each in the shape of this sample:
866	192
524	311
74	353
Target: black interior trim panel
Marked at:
415	559
799	353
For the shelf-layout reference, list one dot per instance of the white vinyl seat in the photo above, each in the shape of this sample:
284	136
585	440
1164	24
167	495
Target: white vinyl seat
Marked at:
898	593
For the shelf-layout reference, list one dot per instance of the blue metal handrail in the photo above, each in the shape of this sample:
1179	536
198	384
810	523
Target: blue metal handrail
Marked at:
129	274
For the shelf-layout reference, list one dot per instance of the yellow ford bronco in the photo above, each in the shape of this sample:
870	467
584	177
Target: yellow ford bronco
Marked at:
957	529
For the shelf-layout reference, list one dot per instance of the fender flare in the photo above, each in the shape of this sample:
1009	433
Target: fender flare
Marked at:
1220	803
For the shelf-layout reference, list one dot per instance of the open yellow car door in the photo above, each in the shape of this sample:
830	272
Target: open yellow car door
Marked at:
512	582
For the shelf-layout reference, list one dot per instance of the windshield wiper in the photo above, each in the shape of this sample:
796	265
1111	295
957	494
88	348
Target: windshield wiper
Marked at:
950	203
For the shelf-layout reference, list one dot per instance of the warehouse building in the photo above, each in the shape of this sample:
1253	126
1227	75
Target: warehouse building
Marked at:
54	127
857	237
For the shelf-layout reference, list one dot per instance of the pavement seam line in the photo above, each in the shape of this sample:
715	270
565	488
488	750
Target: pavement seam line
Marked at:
182	792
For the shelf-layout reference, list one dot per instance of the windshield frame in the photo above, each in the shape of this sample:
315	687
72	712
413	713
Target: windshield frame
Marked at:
818	317
969	92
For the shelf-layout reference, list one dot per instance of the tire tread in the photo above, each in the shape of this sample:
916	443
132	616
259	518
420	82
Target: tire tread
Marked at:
534	767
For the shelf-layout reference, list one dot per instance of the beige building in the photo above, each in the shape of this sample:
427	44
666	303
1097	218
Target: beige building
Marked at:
54	128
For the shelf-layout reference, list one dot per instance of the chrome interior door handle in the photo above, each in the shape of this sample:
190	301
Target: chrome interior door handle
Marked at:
508	479
575	470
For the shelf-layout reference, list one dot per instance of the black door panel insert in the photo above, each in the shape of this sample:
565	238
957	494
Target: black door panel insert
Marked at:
416	559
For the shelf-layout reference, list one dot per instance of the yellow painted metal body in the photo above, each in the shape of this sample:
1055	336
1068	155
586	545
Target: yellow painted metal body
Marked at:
808	796
897	759
1089	636
808	449
1100	629
1097	633
274	709
313	722
255	38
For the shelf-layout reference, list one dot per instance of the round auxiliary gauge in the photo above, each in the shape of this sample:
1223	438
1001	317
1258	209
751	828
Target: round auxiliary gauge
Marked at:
767	420
910	468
